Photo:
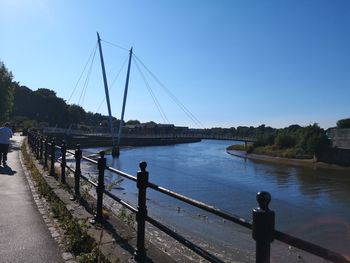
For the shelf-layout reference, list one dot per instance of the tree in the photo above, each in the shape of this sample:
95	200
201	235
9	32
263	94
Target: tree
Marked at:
285	140
293	128
76	113
343	123
22	105
132	122
313	139
50	108
6	92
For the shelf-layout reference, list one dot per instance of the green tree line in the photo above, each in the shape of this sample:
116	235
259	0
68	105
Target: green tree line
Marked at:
40	108
293	141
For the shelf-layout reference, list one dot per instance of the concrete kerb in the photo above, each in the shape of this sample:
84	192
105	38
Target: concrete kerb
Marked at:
115	240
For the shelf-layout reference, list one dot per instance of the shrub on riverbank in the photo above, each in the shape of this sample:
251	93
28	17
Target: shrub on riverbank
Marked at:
236	147
290	142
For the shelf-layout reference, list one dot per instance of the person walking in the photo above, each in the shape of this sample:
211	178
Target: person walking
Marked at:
5	135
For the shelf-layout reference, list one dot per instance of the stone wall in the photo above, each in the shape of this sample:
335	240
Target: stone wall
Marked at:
340	137
334	156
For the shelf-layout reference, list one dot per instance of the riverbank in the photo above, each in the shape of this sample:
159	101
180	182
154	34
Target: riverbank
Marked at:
287	161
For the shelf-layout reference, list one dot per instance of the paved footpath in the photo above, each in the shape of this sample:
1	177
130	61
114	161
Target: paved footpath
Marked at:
24	236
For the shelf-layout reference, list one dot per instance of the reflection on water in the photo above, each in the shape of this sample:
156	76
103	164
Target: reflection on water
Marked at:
311	203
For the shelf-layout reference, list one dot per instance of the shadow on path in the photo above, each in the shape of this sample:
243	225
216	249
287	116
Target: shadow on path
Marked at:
7	170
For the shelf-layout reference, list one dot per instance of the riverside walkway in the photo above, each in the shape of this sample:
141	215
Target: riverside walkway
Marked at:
24	235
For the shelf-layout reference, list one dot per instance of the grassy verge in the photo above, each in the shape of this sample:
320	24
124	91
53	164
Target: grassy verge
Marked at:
236	147
292	153
273	151
76	239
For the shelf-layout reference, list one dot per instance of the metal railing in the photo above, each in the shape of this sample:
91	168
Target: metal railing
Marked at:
262	224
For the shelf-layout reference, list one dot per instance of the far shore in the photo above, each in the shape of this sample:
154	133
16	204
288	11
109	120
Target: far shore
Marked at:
287	161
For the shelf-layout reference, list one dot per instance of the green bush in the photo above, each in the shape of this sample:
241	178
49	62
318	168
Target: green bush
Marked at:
284	140
313	139
265	139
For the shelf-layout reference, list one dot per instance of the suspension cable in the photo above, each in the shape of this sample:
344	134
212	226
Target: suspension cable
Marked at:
86	83
82	73
155	100
172	96
115	45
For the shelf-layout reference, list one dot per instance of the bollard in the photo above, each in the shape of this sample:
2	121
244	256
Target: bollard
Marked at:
77	156
101	166
52	160
46	154
142	183
63	163
263	227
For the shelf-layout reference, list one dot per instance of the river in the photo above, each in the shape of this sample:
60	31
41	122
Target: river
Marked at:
310	203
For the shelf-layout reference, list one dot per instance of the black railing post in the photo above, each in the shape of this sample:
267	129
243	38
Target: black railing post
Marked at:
52	159
37	146
32	140
263	227
41	149
34	144
63	162
29	138
142	183
46	154
77	156
101	166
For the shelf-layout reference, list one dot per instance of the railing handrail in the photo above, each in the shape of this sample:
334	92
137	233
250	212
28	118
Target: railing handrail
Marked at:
278	235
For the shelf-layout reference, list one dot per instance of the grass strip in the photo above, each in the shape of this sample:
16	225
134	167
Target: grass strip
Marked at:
75	240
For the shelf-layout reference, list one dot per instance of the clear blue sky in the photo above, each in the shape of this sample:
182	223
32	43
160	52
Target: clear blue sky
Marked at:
229	62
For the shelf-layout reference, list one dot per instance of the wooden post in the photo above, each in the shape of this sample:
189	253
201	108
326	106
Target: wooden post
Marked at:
263	227
142	183
77	156
52	160
63	163
101	166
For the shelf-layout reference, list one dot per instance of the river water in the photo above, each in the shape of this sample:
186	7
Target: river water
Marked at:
310	203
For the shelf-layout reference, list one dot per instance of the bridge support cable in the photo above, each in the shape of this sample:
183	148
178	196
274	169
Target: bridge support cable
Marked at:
155	100
86	83
115	45
187	112
172	96
93	52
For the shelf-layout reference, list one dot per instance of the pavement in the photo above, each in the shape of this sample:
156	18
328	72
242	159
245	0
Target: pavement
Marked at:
24	235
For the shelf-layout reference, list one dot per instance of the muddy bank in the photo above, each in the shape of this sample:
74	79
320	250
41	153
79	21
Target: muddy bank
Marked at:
287	161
